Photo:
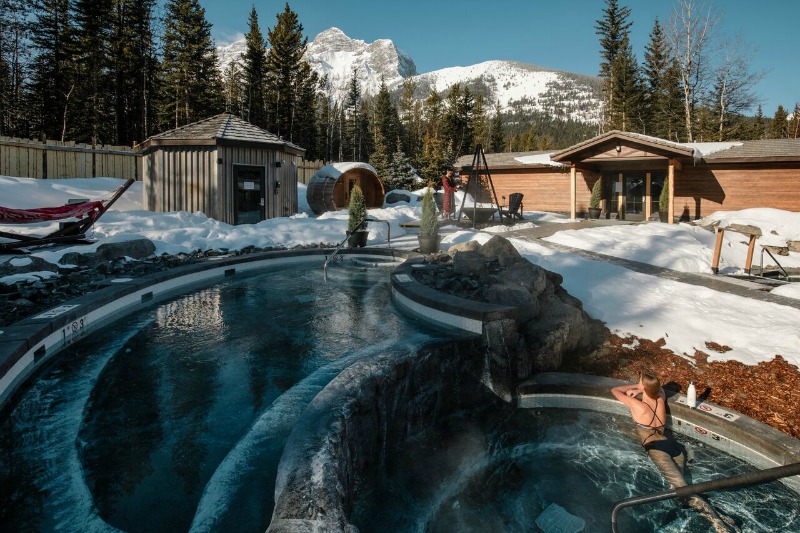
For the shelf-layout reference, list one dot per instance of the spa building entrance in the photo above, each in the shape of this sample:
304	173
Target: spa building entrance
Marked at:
632	195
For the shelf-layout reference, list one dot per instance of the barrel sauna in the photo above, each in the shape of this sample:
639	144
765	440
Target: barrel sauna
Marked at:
329	189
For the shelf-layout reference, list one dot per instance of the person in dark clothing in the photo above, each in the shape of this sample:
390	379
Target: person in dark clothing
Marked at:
650	415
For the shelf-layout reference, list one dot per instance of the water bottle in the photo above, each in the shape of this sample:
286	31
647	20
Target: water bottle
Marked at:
691	396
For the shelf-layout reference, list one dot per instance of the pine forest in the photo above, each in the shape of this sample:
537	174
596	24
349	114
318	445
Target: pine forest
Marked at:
119	71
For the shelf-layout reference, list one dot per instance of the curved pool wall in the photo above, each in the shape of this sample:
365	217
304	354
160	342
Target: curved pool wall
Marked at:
28	345
728	431
373	406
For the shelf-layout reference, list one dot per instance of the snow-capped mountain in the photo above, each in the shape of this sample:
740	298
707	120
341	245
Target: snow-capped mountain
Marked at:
522	87
517	86
334	54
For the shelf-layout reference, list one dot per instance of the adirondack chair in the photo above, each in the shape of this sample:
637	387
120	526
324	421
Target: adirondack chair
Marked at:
86	213
514	210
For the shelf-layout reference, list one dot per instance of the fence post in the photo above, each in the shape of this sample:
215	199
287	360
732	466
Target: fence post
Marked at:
43	138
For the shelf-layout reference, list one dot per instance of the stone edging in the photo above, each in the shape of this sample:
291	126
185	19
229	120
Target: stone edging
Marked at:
27	345
733	433
440	308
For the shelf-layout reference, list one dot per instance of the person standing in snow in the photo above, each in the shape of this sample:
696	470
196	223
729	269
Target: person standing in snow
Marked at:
450	186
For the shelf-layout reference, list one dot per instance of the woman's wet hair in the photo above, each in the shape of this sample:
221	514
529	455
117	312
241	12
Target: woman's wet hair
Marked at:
651	384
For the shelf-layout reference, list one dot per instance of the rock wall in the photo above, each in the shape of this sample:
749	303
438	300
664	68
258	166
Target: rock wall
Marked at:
347	431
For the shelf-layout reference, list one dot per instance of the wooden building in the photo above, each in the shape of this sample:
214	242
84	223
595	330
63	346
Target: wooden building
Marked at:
329	189
224	167
701	177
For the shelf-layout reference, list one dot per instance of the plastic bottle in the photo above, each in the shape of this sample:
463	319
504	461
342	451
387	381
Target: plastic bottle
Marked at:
691	396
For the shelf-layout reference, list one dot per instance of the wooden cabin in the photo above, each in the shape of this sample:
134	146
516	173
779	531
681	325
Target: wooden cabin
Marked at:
223	166
329	189
702	177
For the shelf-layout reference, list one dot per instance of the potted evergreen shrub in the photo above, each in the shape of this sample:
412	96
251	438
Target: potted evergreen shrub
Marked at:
594	199
663	202
357	223
428	236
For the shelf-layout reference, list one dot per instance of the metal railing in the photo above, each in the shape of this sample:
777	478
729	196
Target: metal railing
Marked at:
341	244
732	482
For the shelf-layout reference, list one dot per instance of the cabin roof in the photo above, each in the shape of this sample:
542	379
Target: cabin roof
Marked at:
223	127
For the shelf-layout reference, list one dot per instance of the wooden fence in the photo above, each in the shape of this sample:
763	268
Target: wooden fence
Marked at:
26	158
307	169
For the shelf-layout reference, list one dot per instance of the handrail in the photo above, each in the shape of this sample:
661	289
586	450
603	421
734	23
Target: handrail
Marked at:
341	244
732	482
765	249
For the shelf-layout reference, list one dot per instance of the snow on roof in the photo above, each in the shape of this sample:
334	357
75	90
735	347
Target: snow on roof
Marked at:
539	159
334	170
710	148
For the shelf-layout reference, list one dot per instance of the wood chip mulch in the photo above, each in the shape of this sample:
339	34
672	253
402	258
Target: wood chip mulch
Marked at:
768	392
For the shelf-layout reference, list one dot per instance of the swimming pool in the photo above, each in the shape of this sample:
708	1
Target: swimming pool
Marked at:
174	419
499	471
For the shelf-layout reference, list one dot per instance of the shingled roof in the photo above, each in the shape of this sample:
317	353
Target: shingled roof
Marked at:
768	149
223	127
498	159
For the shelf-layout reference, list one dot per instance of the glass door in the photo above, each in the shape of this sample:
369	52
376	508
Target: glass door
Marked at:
634	197
249	194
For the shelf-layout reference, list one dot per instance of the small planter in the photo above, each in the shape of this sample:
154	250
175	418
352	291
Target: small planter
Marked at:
429	244
663	216
357	239
594	212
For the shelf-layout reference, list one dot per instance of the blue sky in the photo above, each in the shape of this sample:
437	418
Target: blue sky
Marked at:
555	34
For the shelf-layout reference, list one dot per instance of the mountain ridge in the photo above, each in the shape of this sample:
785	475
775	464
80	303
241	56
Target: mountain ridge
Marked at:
515	85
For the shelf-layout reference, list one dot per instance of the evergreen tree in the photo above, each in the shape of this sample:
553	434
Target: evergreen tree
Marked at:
458	130
386	118
92	111
625	107
192	86
14	117
794	124
306	126
497	133
135	69
669	116
410	118
759	125
654	69
254	74
380	159
353	127
401	169
780	124
285	55
54	75
480	121
233	84
613	29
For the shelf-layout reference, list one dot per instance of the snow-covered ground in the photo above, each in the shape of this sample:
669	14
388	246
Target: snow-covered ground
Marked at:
686	316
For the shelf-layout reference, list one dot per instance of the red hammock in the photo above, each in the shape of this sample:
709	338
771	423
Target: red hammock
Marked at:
46	214
86	212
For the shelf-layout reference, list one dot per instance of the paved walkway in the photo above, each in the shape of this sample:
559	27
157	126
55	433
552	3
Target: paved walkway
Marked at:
739	287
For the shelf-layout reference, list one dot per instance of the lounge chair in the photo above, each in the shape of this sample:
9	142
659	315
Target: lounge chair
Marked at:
86	213
514	207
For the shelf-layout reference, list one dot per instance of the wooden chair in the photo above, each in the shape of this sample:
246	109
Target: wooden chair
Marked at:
514	210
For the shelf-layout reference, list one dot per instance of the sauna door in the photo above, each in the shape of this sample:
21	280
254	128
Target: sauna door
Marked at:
249	198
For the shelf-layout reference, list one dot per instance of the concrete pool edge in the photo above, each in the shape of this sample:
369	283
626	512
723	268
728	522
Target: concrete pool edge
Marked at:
28	345
729	431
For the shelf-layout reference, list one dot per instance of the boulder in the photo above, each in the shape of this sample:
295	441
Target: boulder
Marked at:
469	263
394	196
136	248
469	246
794	246
524	273
515	296
502	249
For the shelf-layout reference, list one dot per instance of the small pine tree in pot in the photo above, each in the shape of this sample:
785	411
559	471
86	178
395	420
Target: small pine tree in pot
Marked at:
356	225
663	202
594	199
428	236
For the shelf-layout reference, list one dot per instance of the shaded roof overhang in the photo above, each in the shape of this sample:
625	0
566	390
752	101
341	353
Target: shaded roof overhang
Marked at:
645	149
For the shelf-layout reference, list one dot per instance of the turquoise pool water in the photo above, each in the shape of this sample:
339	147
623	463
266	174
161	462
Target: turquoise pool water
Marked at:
174	419
501	471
